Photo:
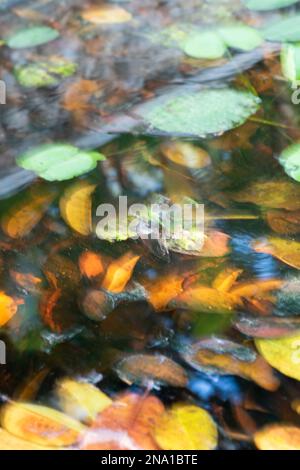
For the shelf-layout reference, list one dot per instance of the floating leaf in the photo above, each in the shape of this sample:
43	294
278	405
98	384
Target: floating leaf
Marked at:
278	437
268	4
186	154
81	400
40	425
287	251
240	36
126	425
186	427
220	356
91	264
283	354
213	111
106	14
266	327
147	369
22	217
76	206
290	160
119	272
204	45
58	162
275	194
290	62
285	30
32	37
8	308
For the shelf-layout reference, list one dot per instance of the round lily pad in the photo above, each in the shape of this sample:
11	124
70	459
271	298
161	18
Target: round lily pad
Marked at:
58	162
290	160
203	113
205	45
240	36
32	37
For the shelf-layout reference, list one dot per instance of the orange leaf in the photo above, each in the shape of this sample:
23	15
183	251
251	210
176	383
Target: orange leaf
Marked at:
119	272
126	425
91	264
8	308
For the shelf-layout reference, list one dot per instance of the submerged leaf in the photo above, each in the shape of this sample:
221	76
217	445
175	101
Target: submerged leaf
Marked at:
58	162
8	308
186	427
81	400
147	369
40	425
47	73
278	437
284	222
91	264
186	154
106	14
206	112
220	356
119	272
162	290
283	354
287	251
32	37
126	425
10	442
266	327
76	206
205	299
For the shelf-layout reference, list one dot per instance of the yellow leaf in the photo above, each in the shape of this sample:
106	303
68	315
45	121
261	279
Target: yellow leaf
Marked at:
10	442
206	299
119	272
186	427
40	425
163	289
82	401
8	308
76	207
106	14
226	279
283	354
252	289
278	437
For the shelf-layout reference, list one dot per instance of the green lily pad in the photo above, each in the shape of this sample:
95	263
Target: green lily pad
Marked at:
203	113
290	61
58	162
32	37
290	160
261	5
239	36
205	45
286	30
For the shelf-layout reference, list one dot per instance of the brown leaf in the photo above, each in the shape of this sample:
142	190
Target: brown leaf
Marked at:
286	250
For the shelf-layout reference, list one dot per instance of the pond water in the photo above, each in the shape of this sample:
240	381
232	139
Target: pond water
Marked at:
107	311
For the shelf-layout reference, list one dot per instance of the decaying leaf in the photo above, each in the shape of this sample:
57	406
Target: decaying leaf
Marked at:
26	281
76	207
163	289
40	425
284	222
286	250
26	213
266	327
150	369
126	425
119	272
186	427
91	264
81	400
8	308
205	299
220	356
274	194
106	14
278	437
283	354
186	154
